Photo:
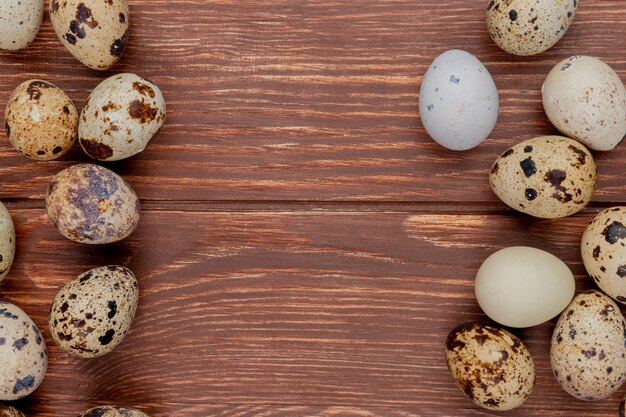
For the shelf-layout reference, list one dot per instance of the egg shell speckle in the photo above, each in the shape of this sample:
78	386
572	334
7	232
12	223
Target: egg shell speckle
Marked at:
120	117
91	315
7	242
41	121
458	101
112	411
547	177
490	365
20	21
529	27
7	411
23	354
92	204
588	347
94	31
586	100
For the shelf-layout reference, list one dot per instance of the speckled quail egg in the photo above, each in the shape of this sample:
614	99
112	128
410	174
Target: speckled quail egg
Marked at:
603	249
529	27
120	117
589	346
547	177
112	411
23	355
94	31
92	204
91	315
490	365
7	242
586	100
41	120
7	411
20	21
458	101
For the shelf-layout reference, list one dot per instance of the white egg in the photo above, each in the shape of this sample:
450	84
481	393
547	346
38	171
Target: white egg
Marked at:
458	101
20	21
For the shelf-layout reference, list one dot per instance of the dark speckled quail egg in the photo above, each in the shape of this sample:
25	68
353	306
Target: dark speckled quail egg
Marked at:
547	177
91	315
7	242
112	411
7	411
41	120
120	117
589	346
490	365
20	21
94	31
23	355
91	204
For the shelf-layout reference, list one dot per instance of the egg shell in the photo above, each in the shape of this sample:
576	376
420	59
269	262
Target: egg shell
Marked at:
547	177
458	101
523	287
23	354
529	27
94	31
92	204
588	347
7	411
91	315
7	242
41	121
490	365
120	117
20	21
113	411
586	100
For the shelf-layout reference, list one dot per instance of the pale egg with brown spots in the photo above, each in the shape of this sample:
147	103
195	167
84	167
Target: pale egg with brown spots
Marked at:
20	21
490	365
112	411
7	242
120	117
547	177
94	31
92	204
91	315
8	411
589	346
41	120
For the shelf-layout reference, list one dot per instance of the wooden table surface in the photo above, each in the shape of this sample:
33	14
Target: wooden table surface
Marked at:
304	247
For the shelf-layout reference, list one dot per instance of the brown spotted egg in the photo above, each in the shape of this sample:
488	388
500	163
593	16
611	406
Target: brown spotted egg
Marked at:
41	120
7	411
603	250
92	204
94	31
589	346
547	177
20	21
7	242
23	355
490	365
120	117
91	315
529	27
112	411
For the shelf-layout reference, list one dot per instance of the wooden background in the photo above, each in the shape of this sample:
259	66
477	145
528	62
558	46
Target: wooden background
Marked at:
304	247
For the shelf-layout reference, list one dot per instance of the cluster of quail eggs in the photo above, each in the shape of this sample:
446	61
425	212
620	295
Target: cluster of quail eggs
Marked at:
547	177
86	203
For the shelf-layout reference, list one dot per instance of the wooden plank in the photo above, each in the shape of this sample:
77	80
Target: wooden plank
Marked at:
302	313
317	101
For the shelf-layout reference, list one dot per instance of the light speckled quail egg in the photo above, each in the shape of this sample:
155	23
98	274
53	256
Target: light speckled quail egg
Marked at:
547	177
7	411
41	120
120	117
7	242
91	204
94	31
20	21
529	27
586	100
23	355
523	287
458	101
112	411
603	249
589	346
91	315
490	365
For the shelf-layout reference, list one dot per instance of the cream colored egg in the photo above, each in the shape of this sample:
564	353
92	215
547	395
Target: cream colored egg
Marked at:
8	411
20	21
112	411
7	242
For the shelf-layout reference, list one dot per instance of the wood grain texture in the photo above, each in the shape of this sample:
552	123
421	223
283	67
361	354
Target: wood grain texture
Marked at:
304	247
